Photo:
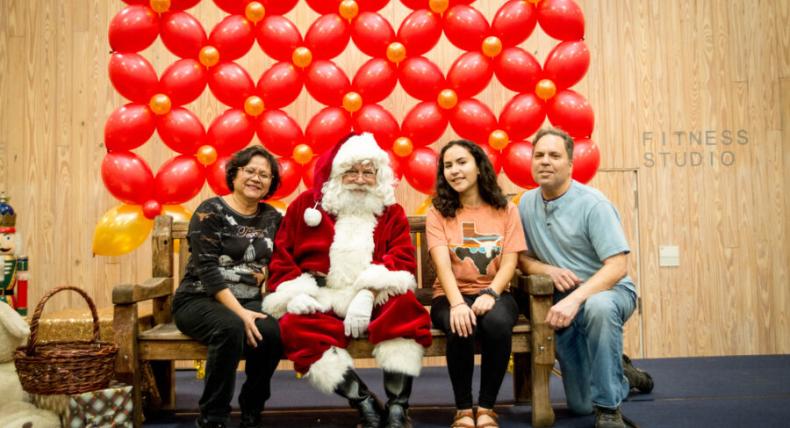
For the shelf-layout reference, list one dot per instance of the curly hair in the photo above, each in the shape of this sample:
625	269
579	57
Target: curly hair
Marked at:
448	201
243	157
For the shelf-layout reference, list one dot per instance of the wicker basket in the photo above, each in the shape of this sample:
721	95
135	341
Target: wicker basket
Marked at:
65	367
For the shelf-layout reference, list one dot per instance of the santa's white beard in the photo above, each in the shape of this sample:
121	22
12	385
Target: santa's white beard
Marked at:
352	199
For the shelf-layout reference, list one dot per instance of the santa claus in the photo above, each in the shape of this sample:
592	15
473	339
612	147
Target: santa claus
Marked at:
344	266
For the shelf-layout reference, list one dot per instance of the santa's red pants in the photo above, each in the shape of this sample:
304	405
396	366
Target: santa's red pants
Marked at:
307	337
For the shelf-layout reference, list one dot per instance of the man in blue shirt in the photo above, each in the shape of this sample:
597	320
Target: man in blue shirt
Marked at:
574	236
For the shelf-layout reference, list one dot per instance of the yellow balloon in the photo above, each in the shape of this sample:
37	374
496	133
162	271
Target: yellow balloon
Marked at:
278	205
517	198
120	230
396	52
179	213
423	208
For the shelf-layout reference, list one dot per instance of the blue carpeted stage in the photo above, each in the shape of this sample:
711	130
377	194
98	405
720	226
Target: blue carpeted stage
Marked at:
751	391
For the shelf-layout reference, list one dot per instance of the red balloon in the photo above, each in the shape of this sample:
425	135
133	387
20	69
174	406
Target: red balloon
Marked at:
522	116
280	85
470	74
514	22
133	77
215	175
290	175
128	127
473	120
278	37
517	163
415	4
420	32
375	80
561	19
494	156
378	121
133	29
178	180
421	170
372	34
183	81
230	84
586	159
233	37
465	27
567	63
151	209
231	131
424	124
328	36
517	69
571	112
127	177
308	173
326	82
233	7
372	5
182	4
421	78
182	34
397	165
326	128
181	130
323	6
278	132
278	7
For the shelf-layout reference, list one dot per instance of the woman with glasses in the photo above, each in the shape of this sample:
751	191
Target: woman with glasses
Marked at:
474	237
219	299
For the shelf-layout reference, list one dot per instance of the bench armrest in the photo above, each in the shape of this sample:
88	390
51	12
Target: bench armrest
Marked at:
536	285
125	294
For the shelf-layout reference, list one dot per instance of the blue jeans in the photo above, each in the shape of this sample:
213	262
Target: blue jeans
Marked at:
590	351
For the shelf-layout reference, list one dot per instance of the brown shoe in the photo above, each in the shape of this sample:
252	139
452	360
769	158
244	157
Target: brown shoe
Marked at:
493	423
458	421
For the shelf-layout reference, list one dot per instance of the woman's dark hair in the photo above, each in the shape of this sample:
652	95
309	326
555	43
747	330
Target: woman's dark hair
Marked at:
243	157
448	201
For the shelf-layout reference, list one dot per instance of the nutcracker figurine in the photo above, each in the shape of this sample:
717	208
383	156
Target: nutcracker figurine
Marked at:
13	282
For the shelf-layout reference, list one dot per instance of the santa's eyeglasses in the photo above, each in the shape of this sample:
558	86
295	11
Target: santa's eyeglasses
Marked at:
353	174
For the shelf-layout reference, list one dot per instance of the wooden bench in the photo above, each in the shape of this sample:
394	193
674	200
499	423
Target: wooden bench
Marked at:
149	348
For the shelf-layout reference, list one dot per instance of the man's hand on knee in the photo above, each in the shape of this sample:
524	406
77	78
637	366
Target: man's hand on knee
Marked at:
358	314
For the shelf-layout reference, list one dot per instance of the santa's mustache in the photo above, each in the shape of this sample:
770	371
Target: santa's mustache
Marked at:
356	187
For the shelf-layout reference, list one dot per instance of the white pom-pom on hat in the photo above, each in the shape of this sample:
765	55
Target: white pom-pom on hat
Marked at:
312	217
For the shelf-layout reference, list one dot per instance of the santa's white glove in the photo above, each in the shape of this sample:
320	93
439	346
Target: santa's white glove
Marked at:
303	304
358	313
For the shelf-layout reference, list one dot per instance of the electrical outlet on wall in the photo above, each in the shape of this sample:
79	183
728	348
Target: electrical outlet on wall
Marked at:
668	256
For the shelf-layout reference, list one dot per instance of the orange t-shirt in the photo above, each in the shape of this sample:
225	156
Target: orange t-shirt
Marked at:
476	239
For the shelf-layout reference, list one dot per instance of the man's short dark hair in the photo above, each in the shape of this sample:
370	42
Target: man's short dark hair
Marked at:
243	157
557	133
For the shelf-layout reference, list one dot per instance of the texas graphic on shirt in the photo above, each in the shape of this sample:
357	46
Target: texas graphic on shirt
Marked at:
479	248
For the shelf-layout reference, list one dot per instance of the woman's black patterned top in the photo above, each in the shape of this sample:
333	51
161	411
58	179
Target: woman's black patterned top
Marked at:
227	247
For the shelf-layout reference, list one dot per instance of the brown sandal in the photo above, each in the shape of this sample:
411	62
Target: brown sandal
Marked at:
491	414
460	414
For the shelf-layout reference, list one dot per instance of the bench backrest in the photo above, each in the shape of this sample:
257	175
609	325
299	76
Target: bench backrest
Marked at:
163	262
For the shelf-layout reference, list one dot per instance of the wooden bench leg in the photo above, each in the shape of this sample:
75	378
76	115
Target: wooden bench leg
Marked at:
542	412
522	378
127	363
164	375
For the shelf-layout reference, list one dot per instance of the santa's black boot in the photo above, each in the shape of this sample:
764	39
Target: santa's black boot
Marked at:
398	387
360	398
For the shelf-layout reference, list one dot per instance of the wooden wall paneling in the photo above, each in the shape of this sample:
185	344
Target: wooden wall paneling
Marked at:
4	88
782	313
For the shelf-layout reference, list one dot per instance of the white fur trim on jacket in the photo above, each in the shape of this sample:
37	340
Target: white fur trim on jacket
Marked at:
400	356
386	283
275	304
327	373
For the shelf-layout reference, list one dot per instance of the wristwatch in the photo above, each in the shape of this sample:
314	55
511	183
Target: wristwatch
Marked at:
490	291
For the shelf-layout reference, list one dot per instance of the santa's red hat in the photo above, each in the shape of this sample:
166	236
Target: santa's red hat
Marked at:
352	149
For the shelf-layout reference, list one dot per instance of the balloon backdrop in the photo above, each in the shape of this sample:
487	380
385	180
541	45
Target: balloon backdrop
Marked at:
304	61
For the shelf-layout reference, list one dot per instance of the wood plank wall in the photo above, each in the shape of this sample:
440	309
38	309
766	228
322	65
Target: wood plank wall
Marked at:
694	96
